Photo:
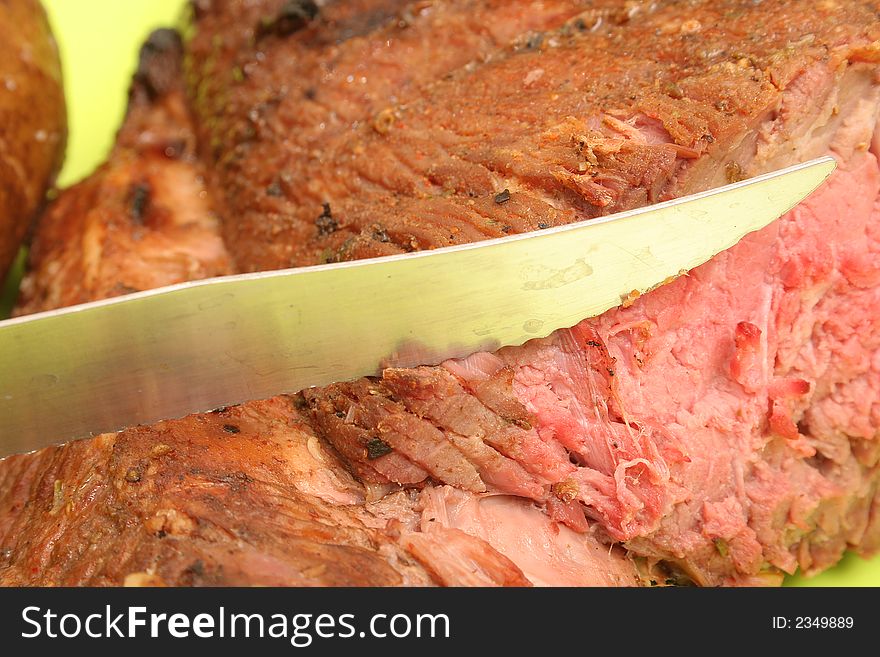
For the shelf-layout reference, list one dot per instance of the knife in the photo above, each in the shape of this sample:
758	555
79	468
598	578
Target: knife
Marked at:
192	347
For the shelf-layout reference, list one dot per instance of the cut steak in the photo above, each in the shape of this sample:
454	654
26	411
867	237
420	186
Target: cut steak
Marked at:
723	429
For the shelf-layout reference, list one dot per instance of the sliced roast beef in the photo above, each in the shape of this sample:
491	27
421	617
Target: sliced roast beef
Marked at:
250	495
722	429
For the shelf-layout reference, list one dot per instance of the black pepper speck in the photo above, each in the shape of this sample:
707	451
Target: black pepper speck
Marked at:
377	447
325	223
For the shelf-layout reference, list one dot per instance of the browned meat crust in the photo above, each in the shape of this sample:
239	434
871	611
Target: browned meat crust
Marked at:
245	495
391	128
33	121
286	118
212	499
142	220
594	109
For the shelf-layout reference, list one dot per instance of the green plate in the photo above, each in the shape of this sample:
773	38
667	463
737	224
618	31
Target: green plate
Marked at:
99	40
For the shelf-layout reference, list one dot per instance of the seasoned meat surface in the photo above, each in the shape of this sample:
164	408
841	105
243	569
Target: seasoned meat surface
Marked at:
722	429
289	118
33	120
142	220
249	495
408	124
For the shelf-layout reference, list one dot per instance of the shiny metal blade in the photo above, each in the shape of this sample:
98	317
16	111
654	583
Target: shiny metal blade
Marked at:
169	352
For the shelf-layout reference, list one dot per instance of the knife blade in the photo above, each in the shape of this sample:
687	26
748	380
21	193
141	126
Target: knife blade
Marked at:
192	347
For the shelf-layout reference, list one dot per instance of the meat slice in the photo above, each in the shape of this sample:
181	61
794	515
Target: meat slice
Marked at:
595	108
394	429
142	220
243	496
443	548
369	456
435	394
249	495
722	429
280	111
689	415
547	553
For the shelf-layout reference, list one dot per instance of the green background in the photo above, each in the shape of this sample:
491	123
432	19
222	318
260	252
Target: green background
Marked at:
99	40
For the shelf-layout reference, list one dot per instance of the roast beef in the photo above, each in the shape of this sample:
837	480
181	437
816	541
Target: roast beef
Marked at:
722	429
